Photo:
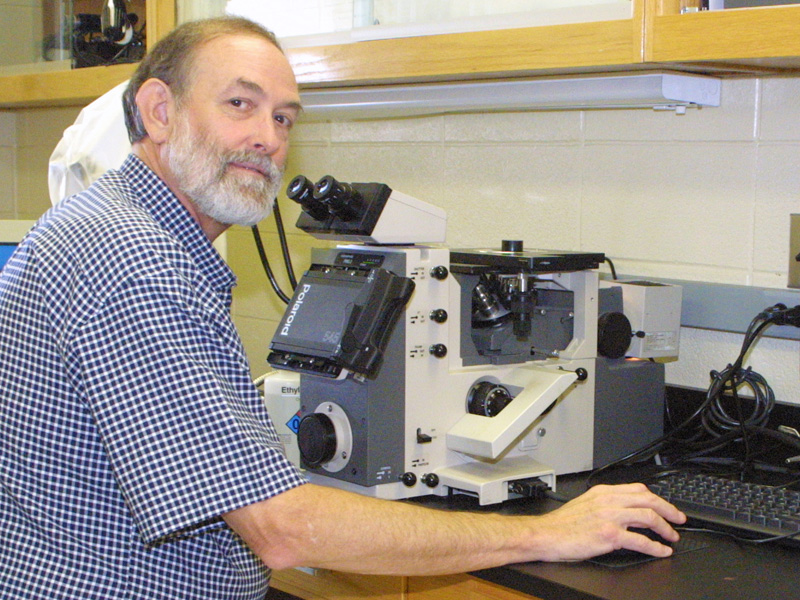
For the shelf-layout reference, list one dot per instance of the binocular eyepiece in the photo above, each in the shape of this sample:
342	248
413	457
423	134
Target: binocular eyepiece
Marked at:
327	198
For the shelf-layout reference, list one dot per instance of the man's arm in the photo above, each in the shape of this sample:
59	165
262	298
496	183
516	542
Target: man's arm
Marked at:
316	526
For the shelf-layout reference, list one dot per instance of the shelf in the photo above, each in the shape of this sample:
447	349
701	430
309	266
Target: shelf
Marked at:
61	88
728	42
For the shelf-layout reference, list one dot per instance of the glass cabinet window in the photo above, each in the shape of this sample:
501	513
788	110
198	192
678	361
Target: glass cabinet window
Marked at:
22	33
316	22
45	35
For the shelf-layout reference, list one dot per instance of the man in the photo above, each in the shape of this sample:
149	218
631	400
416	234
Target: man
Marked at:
137	459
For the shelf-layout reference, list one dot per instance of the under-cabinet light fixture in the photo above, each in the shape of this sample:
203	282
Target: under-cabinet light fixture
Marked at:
648	90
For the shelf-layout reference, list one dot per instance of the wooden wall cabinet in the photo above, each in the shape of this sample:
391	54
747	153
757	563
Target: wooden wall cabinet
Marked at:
553	49
753	41
78	87
748	40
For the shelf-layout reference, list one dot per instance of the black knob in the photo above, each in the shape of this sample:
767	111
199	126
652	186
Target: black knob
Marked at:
430	479
511	246
316	439
438	350
408	479
439	315
440	272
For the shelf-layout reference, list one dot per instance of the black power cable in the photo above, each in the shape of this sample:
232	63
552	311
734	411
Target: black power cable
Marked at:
711	427
285	298
287	259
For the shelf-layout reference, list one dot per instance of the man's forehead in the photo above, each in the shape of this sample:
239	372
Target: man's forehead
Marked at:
244	61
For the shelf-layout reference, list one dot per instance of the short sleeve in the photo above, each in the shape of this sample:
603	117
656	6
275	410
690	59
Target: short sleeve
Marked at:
184	428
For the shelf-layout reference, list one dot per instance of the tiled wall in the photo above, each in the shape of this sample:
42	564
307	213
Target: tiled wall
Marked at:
27	139
702	196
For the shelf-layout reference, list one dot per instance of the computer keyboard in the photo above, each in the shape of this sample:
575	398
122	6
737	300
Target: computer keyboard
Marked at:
748	510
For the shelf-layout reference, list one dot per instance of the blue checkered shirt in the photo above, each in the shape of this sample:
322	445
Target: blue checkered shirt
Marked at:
128	421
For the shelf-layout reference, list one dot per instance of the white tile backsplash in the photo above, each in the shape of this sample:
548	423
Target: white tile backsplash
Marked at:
676	203
777	197
8	129
779	119
544	126
422	130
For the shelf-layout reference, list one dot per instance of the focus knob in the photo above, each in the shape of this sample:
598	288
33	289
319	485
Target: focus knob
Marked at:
316	439
439	315
408	479
438	350
439	272
487	399
430	479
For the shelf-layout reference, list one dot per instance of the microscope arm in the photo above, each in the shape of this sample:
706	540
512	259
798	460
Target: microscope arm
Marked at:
489	437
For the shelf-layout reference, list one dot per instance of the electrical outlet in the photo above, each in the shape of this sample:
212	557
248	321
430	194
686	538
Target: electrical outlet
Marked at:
794	250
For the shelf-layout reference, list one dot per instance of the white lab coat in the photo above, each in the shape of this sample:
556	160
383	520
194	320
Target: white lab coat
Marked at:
95	143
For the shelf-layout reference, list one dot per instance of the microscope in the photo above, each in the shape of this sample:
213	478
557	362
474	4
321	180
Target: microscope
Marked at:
488	372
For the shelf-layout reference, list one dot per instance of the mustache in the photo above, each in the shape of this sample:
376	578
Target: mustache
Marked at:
254	161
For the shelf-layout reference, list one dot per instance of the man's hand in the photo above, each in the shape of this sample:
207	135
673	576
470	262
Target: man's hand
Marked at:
598	522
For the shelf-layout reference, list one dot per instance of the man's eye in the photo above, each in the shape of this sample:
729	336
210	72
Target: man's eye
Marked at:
237	102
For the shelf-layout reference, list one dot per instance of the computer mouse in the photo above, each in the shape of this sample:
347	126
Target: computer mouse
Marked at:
649	533
624	556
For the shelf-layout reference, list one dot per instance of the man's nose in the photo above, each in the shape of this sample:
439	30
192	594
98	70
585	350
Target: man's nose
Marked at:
267	138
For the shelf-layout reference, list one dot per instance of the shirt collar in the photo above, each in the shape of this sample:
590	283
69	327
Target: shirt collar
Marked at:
163	205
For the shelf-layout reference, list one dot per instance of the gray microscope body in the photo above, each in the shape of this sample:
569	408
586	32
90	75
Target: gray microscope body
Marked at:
426	370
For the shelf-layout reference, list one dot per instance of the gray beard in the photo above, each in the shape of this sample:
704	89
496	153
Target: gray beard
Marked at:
229	197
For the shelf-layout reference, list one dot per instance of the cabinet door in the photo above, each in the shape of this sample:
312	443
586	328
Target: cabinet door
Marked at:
550	49
78	87
331	585
459	587
732	40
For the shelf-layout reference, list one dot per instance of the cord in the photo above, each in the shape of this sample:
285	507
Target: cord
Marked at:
267	269
740	539
711	427
287	259
284	250
611	266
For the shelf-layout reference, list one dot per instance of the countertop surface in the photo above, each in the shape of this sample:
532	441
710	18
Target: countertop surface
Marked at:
713	566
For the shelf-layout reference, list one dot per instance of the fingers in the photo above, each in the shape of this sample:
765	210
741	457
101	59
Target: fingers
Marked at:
650	514
642	541
638	496
623	516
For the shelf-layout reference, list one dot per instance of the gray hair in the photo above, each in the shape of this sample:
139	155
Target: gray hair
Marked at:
172	58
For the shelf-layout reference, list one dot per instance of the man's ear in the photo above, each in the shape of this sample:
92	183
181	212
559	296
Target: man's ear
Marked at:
157	109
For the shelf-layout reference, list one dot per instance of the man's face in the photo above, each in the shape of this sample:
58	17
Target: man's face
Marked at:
230	139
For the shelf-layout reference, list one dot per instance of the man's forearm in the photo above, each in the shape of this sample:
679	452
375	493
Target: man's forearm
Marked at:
328	528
